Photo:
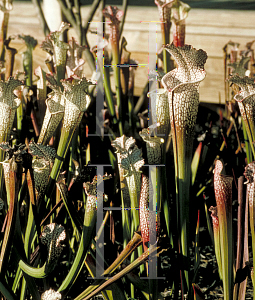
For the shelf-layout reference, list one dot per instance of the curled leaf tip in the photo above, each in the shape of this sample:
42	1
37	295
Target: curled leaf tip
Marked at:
190	66
94	192
52	82
91	188
47	45
153	146
52	236
164	9
249	172
130	156
74	58
42	151
41	168
240	67
213	211
77	101
182	85
77	81
64	26
55	35
246	85
30	41
242	81
6	6
7	90
113	13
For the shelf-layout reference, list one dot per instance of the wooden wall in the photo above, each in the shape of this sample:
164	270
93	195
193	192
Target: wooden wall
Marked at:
208	29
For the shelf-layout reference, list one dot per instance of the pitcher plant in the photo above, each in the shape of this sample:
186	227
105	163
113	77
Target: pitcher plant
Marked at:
182	85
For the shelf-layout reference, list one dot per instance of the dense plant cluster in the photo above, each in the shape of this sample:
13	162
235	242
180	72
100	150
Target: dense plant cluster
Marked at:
94	191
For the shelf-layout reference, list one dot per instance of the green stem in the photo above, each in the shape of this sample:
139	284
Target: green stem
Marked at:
29	231
252	222
64	144
6	290
164	198
69	208
38	7
108	92
125	222
17	279
130	112
23	289
27	245
250	131
124	9
28	66
227	255
33	272
60	57
73	155
183	178
247	144
182	161
116	73
19	252
86	238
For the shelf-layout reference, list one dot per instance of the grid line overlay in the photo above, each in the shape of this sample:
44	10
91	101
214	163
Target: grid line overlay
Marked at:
152	66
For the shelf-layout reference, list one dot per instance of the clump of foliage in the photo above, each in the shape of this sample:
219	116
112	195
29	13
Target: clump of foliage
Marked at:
93	191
